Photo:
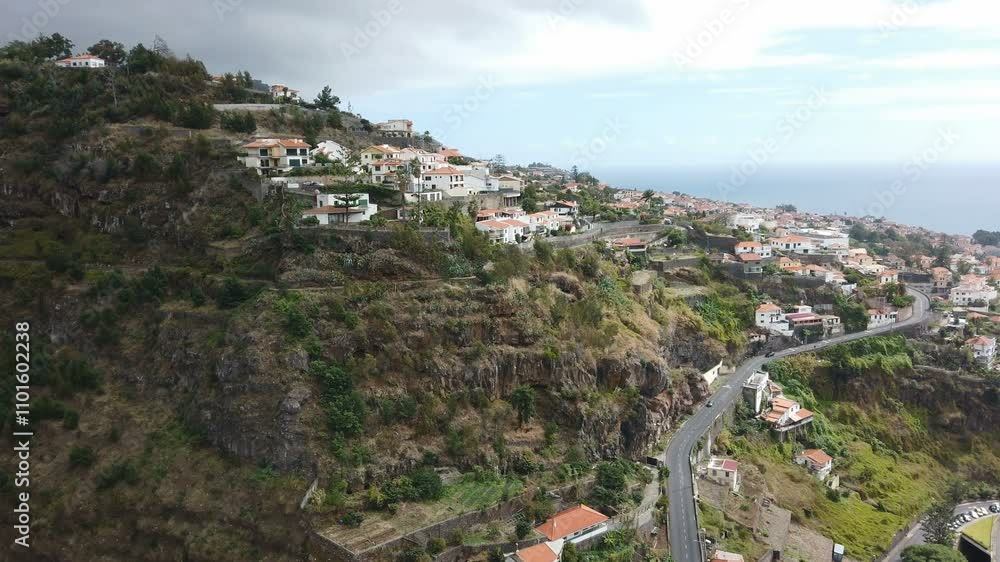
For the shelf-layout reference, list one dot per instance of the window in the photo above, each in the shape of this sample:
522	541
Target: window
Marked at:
294	162
263	152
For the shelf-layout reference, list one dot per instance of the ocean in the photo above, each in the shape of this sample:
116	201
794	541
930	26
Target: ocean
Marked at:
951	198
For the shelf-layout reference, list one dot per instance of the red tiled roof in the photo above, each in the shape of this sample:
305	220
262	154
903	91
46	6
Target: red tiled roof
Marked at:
569	521
538	553
817	457
750	257
80	57
268	143
768	307
446	171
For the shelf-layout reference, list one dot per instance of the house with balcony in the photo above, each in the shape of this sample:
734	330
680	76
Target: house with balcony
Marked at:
984	350
400	128
341	208
564	208
941	279
379	152
275	155
972	291
448	179
786	414
505	231
761	249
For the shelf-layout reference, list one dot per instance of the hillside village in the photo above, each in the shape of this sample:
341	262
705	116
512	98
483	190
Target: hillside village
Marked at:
803	278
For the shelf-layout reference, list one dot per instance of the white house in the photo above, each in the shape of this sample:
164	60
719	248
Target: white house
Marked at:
543	221
284	93
971	290
881	317
82	61
761	249
396	128
379	152
768	314
385	170
793	244
333	208
332	150
983	350
817	461
498	231
786	414
888	276
266	155
447	179
747	223
725	472
564	207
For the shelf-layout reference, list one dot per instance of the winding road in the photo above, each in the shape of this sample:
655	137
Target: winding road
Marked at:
685	542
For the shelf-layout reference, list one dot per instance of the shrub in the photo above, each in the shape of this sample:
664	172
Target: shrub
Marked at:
82	456
352	519
121	471
71	419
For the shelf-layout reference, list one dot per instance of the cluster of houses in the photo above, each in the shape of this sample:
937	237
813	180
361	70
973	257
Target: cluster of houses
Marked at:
802	322
768	402
578	525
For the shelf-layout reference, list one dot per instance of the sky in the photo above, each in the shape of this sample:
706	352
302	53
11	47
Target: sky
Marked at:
604	84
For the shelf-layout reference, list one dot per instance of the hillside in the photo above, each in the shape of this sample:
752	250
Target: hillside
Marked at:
199	359
902	434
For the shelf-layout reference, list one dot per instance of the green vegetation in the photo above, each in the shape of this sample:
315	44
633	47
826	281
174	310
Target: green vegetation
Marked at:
890	458
931	553
981	531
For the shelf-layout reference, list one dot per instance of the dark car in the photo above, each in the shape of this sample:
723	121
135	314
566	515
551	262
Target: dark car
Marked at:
710	403
769	354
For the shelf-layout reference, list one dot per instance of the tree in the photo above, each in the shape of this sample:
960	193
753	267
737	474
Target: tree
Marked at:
326	99
523	400
522	529
112	52
931	553
141	60
936	529
787	208
498	164
161	48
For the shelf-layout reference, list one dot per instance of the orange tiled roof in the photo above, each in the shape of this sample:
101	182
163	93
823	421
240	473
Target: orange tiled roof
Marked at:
569	521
